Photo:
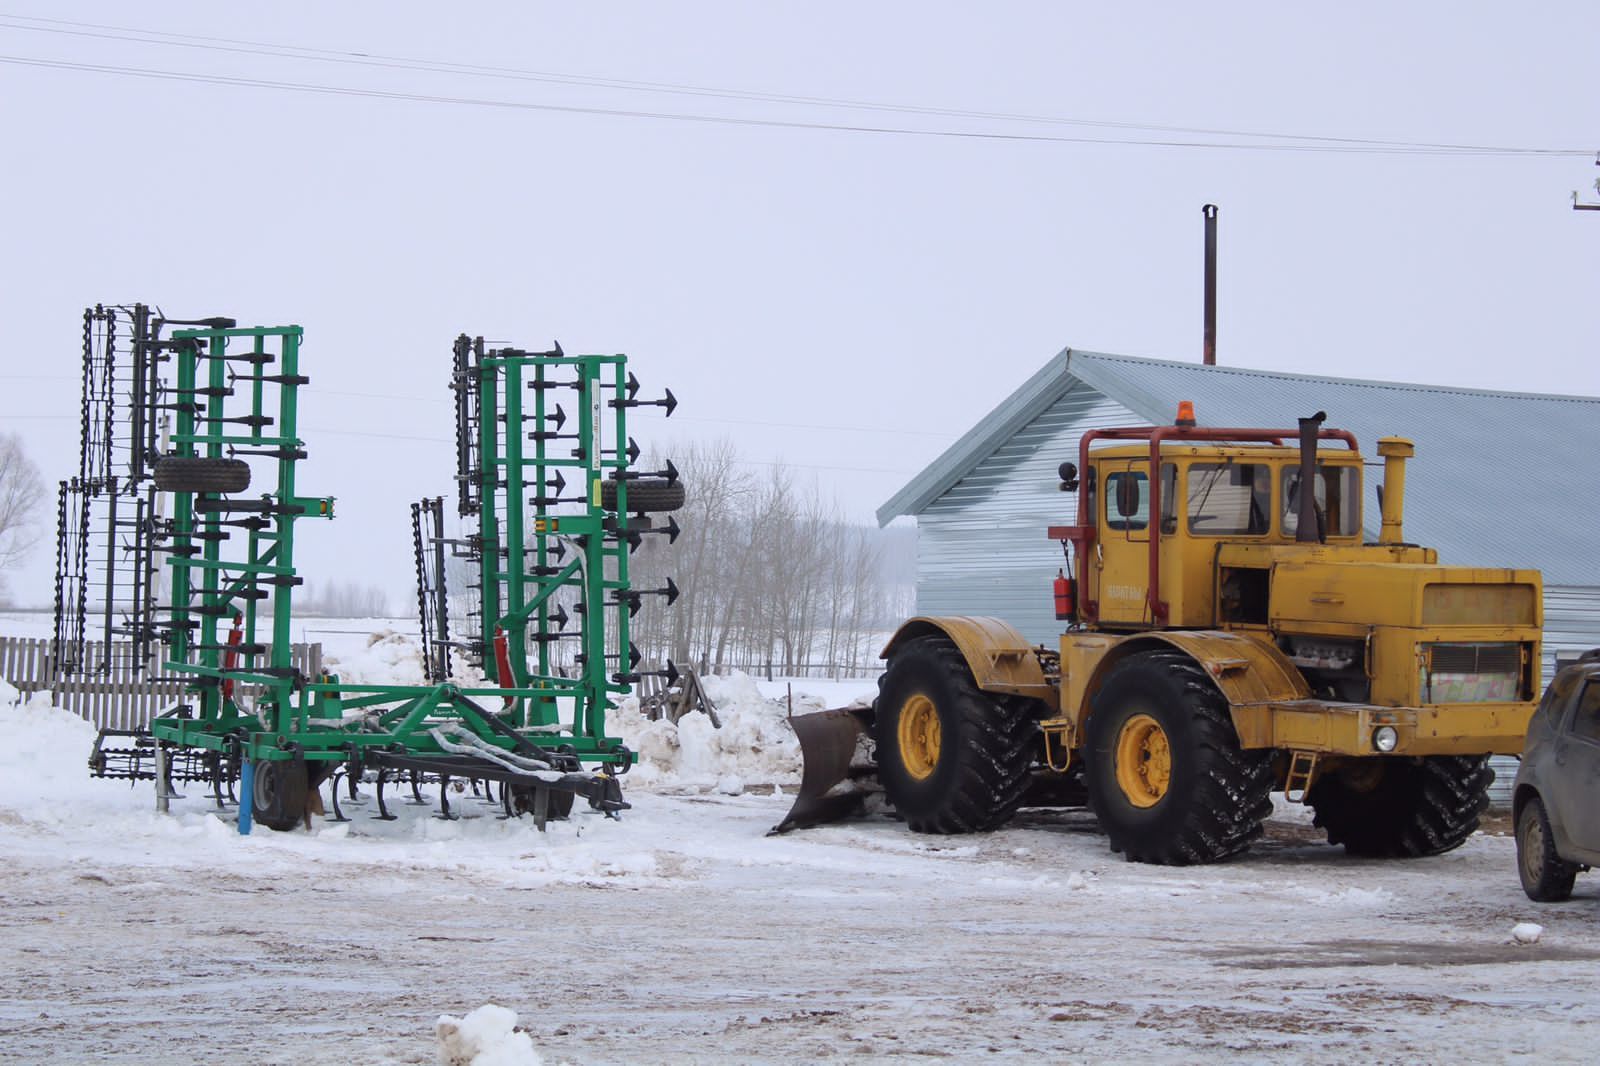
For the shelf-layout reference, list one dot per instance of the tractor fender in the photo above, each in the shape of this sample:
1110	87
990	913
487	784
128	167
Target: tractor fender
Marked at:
1000	658
1250	673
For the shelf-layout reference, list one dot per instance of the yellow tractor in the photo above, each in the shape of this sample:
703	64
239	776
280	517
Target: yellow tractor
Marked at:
1227	634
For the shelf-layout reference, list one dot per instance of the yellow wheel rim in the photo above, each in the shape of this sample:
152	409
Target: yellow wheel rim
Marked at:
1144	761
919	737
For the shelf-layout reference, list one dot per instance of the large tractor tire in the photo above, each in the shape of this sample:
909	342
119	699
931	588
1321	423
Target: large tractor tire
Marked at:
645	494
191	473
1166	776
951	758
1402	808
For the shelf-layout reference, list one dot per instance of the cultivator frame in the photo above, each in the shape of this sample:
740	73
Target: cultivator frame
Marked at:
233	397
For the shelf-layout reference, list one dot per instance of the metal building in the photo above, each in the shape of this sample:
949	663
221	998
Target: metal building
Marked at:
1499	479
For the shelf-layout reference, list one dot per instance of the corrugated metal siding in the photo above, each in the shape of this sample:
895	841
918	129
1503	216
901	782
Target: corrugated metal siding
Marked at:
1571	623
981	546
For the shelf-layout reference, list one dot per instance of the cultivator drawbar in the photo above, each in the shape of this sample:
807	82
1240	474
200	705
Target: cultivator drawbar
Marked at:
212	408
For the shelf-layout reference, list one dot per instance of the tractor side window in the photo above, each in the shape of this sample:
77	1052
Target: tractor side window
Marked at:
1227	499
1127	500
1586	722
1338	498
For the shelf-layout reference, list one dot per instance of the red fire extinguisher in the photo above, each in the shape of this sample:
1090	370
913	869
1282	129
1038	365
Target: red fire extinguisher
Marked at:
230	658
502	663
1066	596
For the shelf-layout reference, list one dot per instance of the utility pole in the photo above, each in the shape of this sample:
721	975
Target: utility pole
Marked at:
1578	205
1208	348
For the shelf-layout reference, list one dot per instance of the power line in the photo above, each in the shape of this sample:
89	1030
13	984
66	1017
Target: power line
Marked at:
727	120
367	59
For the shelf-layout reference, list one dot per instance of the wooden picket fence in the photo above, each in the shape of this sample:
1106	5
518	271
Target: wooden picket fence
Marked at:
113	692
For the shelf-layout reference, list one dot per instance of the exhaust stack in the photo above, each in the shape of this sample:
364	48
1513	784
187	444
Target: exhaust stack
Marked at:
1306	527
1395	452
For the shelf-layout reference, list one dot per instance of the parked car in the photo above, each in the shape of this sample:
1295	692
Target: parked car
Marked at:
1556	800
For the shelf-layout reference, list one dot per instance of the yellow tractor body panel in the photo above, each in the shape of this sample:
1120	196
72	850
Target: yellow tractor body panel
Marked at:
1246	670
1000	658
1330	728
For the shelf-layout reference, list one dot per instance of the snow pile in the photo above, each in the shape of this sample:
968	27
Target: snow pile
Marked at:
390	658
754	746
486	1037
44	751
1527	932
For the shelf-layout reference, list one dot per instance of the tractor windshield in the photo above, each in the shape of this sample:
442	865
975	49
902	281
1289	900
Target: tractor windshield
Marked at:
1227	499
1338	500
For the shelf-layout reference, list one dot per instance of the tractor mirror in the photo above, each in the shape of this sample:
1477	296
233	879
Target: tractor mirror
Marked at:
1127	496
1069	476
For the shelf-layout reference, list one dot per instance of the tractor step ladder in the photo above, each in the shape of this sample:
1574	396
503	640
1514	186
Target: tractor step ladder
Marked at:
1302	768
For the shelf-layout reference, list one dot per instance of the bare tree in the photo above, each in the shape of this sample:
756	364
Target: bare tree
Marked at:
768	572
21	492
344	599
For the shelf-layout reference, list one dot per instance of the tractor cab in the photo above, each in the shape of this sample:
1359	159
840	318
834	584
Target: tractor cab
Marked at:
1157	515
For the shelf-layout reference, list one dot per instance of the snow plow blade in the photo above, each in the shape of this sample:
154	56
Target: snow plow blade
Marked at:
829	785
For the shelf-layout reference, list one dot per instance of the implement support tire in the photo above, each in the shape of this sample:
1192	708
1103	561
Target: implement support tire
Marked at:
644	494
1402	808
1166	776
951	758
190	473
280	792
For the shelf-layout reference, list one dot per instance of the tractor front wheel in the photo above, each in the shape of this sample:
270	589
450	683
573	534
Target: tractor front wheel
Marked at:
1166	776
952	759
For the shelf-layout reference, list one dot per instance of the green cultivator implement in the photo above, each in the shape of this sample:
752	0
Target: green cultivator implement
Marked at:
210	408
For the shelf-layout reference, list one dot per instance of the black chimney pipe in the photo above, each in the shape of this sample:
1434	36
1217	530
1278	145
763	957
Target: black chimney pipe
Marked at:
1210	343
1306	527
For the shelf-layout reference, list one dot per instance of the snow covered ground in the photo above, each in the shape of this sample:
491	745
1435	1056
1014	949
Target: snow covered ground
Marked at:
683	933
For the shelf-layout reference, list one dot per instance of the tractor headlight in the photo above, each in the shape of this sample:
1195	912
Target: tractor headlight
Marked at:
1384	738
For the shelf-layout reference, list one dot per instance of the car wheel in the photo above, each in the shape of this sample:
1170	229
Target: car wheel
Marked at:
1546	877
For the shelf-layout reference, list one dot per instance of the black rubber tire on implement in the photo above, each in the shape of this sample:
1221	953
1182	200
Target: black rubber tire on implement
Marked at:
985	749
188	473
519	800
644	494
278	795
1398	808
1214	797
1546	876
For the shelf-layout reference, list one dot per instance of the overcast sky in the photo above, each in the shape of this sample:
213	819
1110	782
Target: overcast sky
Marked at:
846	300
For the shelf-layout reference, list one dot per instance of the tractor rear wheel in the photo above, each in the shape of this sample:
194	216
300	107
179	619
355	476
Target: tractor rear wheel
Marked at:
951	758
1167	778
1397	808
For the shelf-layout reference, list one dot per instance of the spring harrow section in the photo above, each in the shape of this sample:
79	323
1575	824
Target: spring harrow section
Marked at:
108	528
428	543
177	533
553	507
